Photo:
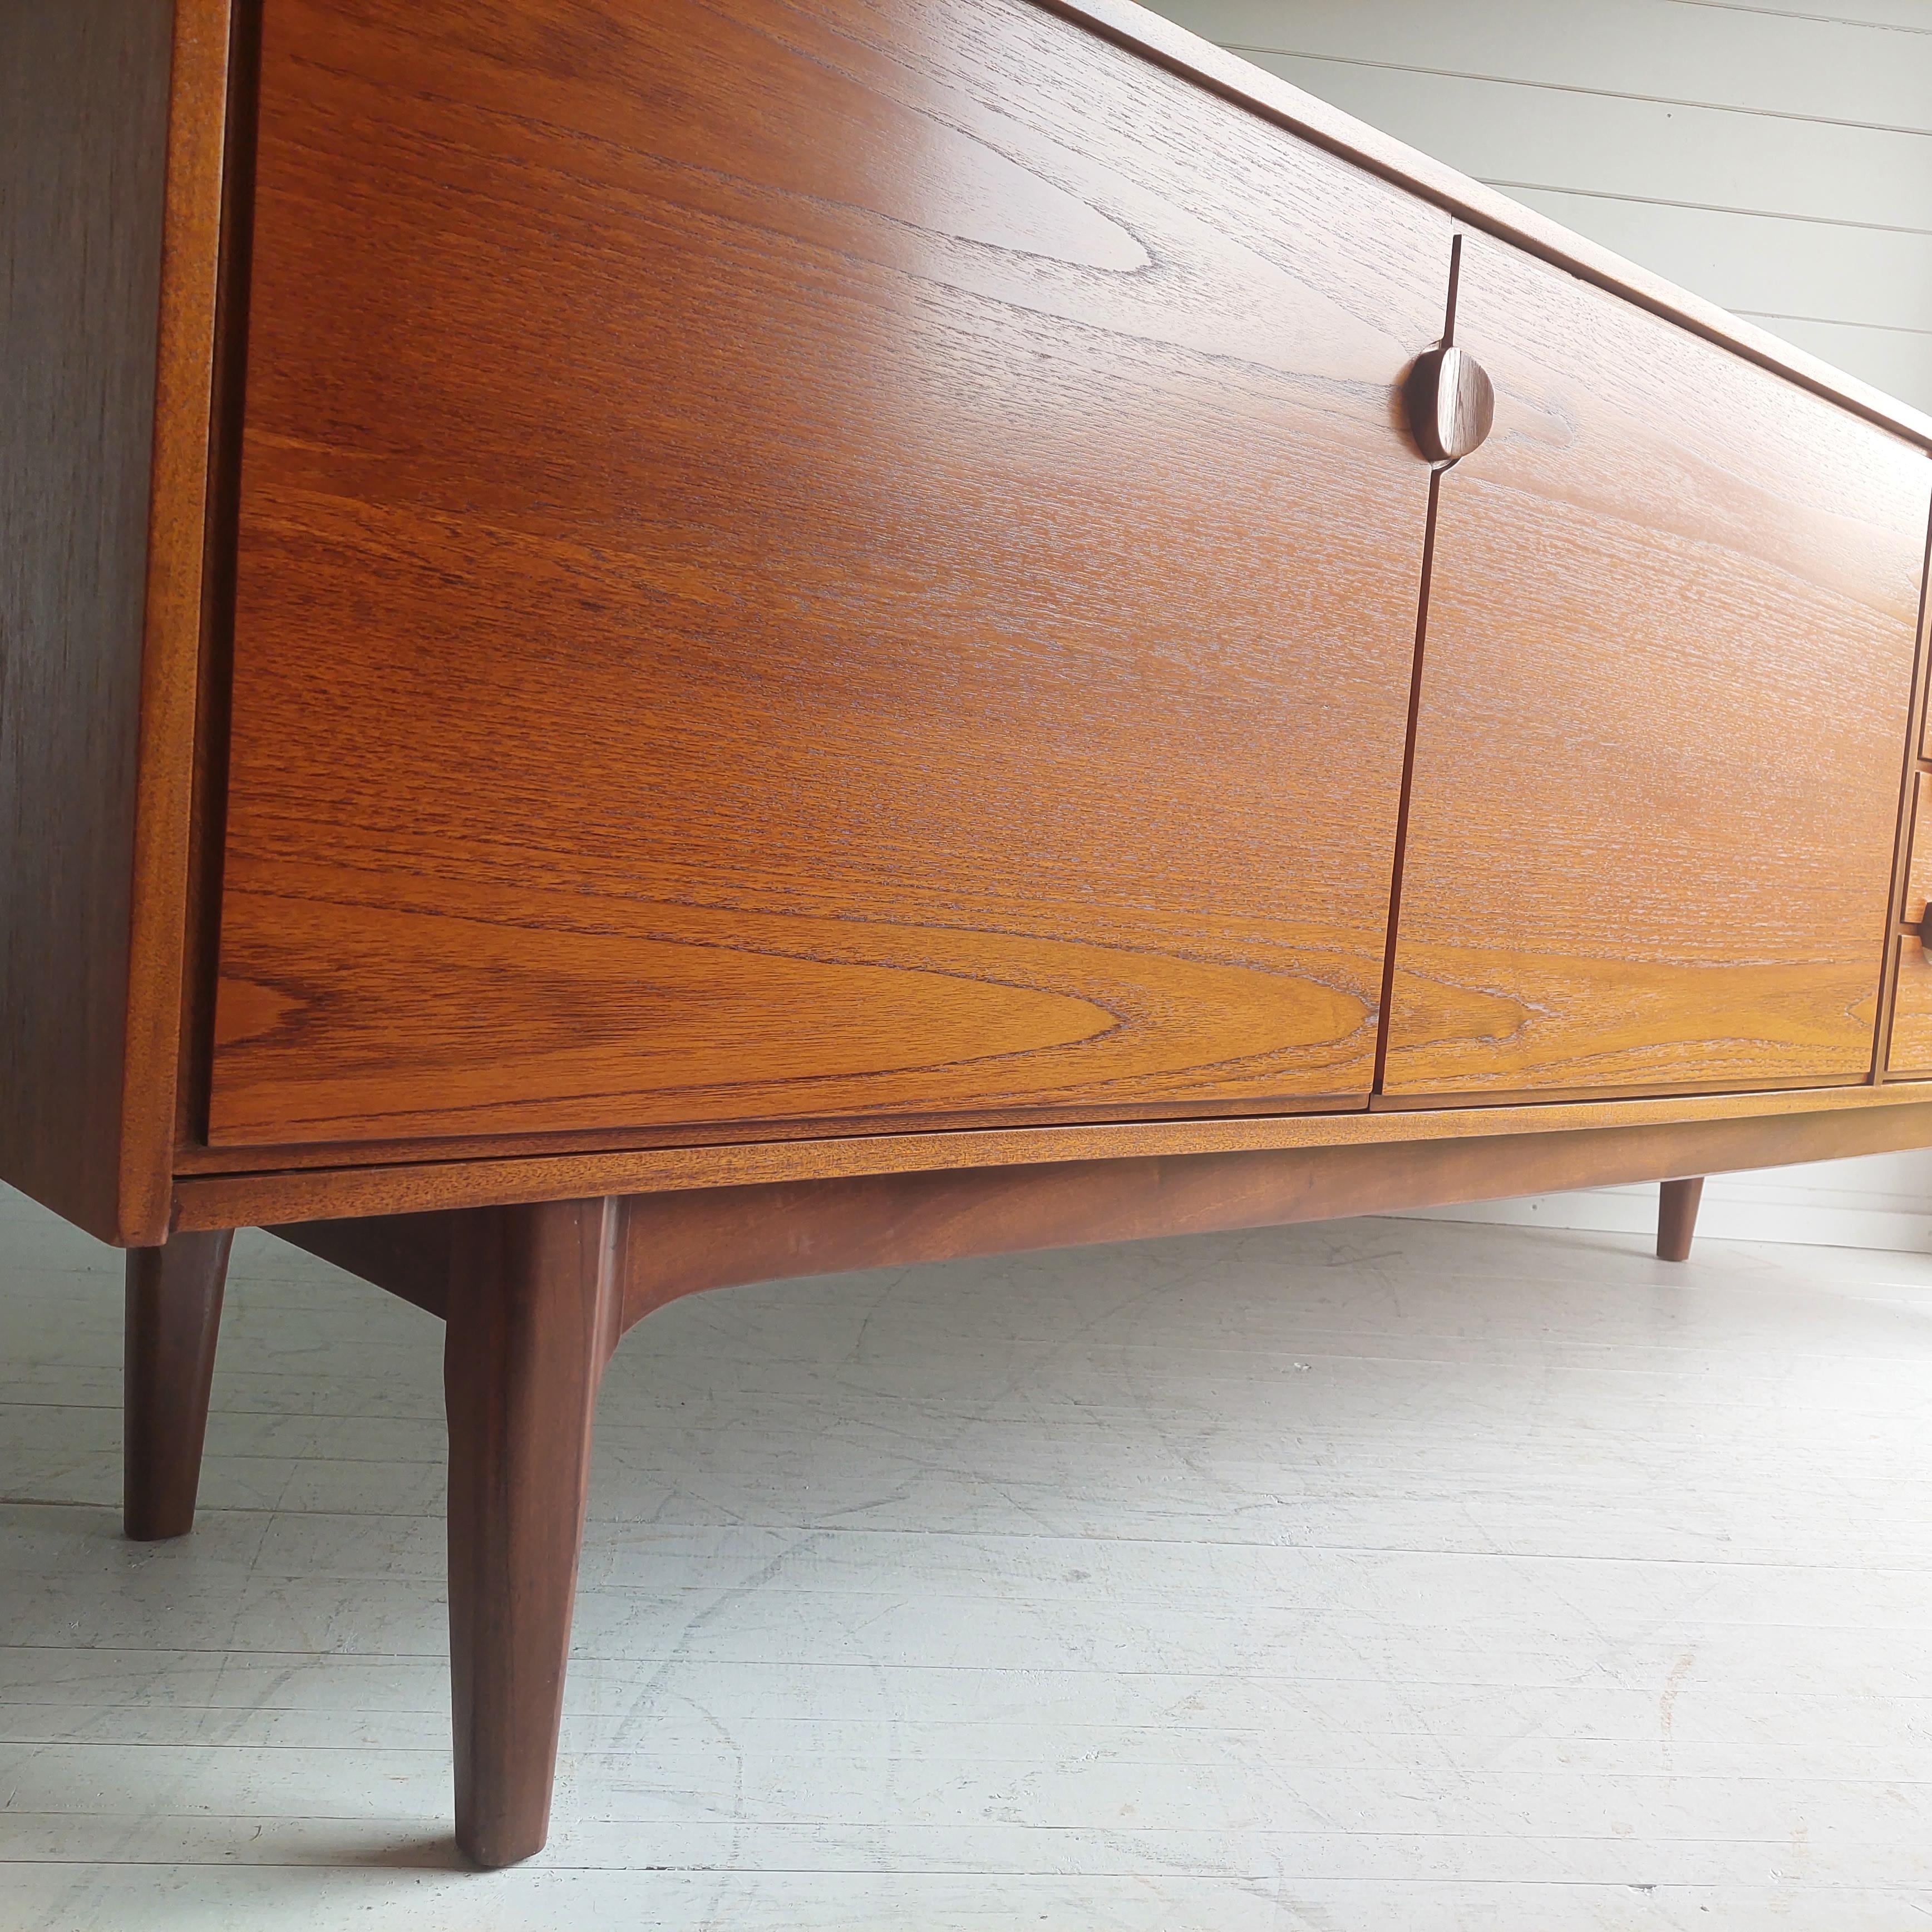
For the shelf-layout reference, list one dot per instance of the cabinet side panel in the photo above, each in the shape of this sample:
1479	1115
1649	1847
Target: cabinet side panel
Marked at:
83	132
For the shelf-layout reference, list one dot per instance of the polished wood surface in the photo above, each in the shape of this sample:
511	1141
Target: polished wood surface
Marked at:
777	586
172	791
1484	208
533	1316
843	582
1671	635
84	105
275	1197
173	1316
1451	403
1677	1203
681	1242
677	1244
59	1136
200	910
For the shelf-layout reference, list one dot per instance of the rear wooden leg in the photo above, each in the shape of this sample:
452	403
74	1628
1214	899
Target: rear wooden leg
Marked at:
1677	1218
174	1310
535	1309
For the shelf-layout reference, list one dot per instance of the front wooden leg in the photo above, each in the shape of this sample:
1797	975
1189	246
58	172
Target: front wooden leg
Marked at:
534	1311
174	1310
1677	1218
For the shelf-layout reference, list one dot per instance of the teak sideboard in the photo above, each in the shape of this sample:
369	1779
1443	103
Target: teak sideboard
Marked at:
649	643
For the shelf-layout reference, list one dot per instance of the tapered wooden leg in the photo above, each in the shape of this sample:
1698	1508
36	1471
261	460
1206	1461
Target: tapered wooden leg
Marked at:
534	1313
1677	1218
174	1310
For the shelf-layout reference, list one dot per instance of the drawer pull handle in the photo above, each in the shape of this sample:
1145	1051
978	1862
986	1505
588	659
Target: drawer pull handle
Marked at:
1451	403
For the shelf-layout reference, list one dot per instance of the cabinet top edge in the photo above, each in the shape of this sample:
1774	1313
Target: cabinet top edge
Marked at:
1468	201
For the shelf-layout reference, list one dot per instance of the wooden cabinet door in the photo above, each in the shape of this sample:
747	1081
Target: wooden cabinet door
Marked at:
1665	692
853	561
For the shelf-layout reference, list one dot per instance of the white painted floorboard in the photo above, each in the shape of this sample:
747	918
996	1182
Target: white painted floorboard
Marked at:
1385	1574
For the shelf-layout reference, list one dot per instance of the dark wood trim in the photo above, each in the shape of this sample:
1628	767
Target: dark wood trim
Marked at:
1392	926
197	1158
1199	60
679	1243
171	675
533	1316
1481	208
1519	1097
1677	1217
173	1316
84	155
269	1199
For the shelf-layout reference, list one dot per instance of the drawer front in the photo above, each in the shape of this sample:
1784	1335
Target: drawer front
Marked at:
801	565
1909	1055
1665	689
1910	1051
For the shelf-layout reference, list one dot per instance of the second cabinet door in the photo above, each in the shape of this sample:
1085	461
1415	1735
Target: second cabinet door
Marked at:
1665	689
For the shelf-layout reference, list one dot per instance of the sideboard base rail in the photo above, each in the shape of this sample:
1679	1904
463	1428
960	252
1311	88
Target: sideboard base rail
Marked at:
681	1242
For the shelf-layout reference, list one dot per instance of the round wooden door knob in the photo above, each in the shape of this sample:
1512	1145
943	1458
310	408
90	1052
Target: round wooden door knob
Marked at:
1451	403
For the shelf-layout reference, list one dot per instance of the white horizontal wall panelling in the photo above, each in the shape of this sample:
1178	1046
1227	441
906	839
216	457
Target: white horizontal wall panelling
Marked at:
1775	159
1773	156
1904	17
1800	64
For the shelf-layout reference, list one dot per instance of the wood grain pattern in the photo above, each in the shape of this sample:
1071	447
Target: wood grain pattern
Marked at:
83	148
173	1319
1671	639
1451	403
776	586
1485	208
171	677
271	1198
533	1316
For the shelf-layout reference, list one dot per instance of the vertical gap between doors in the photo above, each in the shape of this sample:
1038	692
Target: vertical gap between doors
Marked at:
1890	960
1393	925
208	815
